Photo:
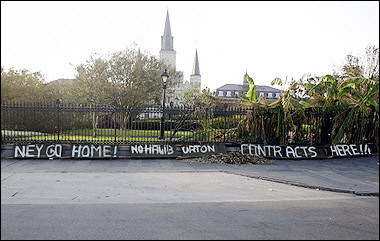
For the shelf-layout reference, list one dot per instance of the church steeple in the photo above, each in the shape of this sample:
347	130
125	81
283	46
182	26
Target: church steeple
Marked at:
196	64
195	77
167	39
245	81
167	52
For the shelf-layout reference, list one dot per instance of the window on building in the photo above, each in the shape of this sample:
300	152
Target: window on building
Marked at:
228	94
270	95
220	93
236	93
278	95
262	94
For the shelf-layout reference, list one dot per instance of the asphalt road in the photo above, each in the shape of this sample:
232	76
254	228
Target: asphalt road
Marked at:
174	199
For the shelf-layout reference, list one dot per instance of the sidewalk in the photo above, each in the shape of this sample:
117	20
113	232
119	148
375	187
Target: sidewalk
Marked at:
359	175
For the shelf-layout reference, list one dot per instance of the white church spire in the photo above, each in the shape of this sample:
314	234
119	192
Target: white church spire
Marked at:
167	38
195	77
167	52
196	64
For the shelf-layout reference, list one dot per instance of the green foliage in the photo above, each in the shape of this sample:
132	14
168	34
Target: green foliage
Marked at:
204	99
22	86
349	100
277	81
276	122
62	89
352	67
227	122
121	133
349	104
129	77
251	94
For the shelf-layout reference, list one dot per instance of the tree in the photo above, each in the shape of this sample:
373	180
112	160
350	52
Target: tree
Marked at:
363	67
361	109
129	77
61	89
353	67
371	66
92	81
352	96
192	97
126	78
22	86
325	92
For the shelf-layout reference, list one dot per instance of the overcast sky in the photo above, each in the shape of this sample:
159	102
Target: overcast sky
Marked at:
268	39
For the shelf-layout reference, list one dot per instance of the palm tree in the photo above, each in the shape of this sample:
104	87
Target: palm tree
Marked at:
291	115
362	111
277	122
349	105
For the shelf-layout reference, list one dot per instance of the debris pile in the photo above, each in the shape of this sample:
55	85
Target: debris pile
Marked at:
230	158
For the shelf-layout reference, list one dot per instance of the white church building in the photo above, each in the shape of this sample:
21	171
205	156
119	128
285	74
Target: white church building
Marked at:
168	55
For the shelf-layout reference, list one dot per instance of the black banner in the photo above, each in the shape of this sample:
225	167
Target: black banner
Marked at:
188	150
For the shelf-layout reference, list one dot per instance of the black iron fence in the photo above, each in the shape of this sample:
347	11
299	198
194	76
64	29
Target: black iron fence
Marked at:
23	123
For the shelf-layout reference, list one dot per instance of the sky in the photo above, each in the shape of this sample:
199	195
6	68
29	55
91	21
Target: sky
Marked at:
266	39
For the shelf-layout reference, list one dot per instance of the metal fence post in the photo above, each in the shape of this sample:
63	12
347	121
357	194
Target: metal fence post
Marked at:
225	122
114	119
59	124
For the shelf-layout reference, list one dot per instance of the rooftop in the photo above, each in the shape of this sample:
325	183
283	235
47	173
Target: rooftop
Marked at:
237	87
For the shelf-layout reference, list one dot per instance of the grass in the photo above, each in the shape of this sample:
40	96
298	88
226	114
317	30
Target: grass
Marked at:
89	138
123	133
107	135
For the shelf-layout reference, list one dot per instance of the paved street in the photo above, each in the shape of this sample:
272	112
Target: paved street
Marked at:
177	199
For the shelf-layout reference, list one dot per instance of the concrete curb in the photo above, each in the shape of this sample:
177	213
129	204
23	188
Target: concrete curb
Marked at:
374	194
